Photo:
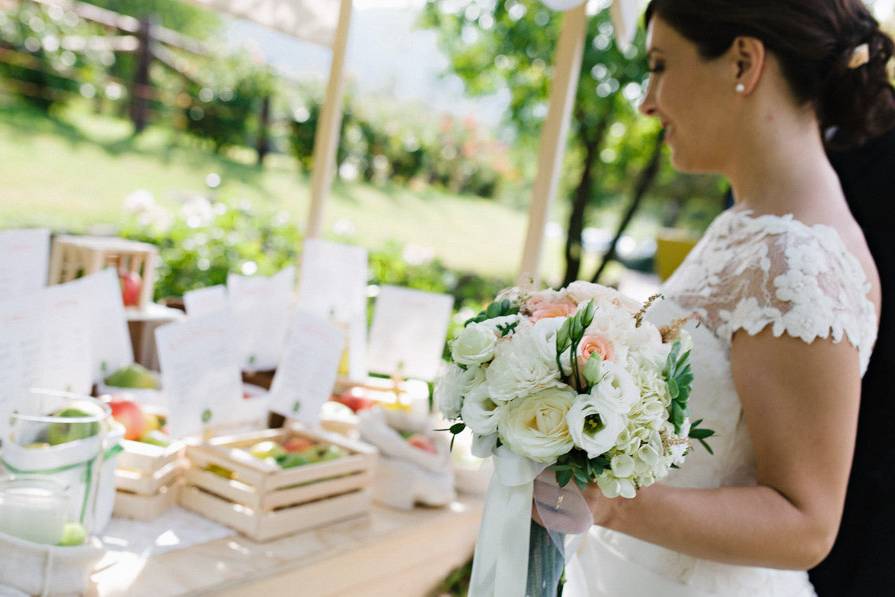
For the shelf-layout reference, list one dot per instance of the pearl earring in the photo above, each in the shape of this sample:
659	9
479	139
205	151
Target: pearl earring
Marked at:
740	88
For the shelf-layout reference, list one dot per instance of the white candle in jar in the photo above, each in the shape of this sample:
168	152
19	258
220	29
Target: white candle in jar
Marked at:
33	509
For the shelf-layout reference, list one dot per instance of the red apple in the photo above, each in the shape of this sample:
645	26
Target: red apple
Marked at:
422	442
297	444
131	284
130	415
354	402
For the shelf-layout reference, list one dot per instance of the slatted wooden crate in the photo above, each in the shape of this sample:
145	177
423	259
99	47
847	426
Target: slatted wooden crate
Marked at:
76	256
262	500
146	476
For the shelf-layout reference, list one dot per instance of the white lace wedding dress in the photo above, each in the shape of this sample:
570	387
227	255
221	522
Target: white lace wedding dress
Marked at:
745	273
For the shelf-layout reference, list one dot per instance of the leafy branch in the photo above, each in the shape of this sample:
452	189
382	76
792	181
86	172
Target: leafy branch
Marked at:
495	309
576	465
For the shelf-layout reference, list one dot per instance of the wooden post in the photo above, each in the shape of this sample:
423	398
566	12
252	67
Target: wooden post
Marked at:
326	138
262	146
141	89
553	138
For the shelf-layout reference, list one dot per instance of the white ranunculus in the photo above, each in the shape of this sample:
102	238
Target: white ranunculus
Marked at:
479	412
594	424
474	345
616	387
535	427
526	364
453	386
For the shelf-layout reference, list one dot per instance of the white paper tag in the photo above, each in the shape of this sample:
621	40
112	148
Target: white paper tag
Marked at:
307	373
334	286
205	301
110	340
24	258
200	373
261	307
408	333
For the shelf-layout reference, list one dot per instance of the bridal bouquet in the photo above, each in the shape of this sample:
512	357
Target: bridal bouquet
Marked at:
575	381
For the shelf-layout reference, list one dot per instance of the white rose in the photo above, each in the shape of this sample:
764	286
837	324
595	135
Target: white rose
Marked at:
474	345
479	411
582	292
595	425
527	363
535	427
453	386
617	387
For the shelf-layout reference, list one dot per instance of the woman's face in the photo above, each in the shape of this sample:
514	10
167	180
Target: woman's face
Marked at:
692	97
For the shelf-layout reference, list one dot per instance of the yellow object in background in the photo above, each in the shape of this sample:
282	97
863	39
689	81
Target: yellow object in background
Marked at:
672	247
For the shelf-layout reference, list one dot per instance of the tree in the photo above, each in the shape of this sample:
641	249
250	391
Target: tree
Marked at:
512	43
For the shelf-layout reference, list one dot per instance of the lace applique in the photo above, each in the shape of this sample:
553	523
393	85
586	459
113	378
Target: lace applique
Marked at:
752	272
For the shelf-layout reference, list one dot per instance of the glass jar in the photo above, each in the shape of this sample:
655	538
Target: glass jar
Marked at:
33	508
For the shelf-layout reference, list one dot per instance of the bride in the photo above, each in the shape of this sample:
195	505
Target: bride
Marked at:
785	291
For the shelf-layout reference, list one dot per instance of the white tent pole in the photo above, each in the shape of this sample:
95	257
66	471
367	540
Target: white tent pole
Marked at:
326	139
553	138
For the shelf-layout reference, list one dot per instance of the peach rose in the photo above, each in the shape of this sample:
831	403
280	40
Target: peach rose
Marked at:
544	307
595	343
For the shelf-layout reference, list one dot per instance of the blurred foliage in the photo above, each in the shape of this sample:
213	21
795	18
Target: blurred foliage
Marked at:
179	15
206	239
32	57
224	105
379	143
497	44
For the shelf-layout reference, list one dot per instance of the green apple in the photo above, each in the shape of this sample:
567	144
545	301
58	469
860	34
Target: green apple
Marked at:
156	438
61	433
73	535
133	376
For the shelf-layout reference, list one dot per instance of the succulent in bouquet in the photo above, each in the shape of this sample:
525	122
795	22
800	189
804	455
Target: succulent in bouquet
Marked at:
575	382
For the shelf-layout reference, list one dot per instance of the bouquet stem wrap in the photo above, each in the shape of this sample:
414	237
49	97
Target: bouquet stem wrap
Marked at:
505	544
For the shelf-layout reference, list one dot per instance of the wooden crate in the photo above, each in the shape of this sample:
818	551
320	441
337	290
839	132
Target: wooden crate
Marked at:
265	502
146	507
76	256
145	478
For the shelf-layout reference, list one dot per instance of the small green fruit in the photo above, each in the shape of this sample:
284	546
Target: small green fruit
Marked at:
73	535
61	433
156	438
133	376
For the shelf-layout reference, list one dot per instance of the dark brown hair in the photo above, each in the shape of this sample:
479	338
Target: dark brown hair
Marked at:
813	41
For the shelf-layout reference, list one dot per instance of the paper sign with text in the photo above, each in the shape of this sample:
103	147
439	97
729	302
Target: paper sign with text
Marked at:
261	307
408	333
307	372
333	285
24	261
200	373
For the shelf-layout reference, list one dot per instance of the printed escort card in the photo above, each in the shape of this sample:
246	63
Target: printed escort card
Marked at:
260	307
45	343
408	333
333	285
110	343
24	261
200	373
307	372
205	301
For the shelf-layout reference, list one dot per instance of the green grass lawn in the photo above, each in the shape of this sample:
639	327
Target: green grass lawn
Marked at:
73	172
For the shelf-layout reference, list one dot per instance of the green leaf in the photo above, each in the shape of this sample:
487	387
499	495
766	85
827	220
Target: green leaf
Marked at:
576	330
457	428
562	336
592	368
707	447
563	477
493	310
673	389
701	433
588	315
677	416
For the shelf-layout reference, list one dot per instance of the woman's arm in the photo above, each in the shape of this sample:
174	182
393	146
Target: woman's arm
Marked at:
800	403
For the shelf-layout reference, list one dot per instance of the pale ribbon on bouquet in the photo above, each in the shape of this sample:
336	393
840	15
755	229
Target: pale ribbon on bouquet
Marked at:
500	566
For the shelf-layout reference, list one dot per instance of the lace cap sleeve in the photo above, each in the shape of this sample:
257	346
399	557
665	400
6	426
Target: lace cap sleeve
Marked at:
797	279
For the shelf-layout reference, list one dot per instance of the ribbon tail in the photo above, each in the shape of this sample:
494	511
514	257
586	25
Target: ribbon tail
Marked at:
500	566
